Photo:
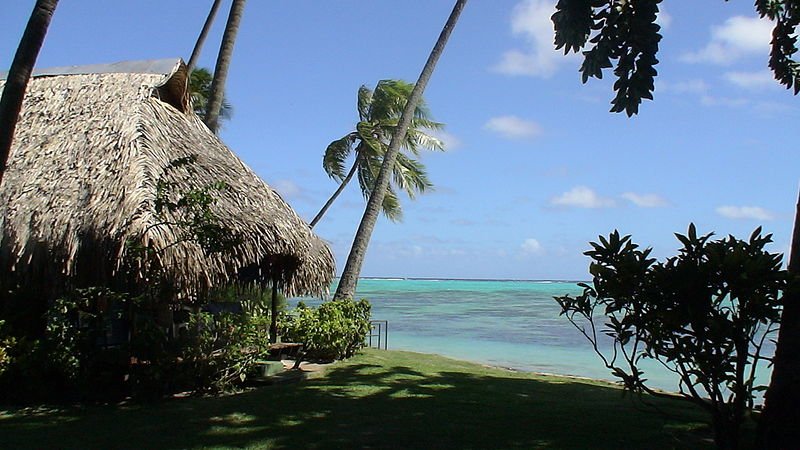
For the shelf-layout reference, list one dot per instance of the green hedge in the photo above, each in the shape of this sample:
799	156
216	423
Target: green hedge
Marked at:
334	330
67	363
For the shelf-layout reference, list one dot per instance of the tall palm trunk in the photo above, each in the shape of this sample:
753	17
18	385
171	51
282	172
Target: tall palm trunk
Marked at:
338	191
223	62
198	46
779	427
352	269
20	73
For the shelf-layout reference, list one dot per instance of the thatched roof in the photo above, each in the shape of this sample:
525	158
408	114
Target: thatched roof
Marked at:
82	177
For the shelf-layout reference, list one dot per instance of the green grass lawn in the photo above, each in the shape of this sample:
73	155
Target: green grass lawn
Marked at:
379	399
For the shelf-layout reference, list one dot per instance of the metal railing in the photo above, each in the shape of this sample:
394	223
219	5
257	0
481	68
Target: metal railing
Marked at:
378	334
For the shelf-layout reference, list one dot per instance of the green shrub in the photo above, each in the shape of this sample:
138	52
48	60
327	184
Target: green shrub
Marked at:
218	352
72	360
66	362
704	314
334	330
7	343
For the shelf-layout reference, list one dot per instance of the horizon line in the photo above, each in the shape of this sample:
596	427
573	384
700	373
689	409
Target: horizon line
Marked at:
399	278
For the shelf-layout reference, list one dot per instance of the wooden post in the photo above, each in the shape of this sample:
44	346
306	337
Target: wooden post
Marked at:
273	325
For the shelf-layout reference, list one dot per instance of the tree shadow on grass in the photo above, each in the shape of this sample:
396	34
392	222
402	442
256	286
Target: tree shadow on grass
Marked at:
372	406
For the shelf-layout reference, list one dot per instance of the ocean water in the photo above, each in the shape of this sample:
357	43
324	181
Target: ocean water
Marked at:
514	324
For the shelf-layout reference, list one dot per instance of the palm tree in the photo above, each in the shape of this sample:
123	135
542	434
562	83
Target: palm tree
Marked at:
378	114
223	62
203	34
200	89
352	269
20	73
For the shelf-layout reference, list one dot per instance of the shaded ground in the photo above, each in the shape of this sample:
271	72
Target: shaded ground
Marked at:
378	399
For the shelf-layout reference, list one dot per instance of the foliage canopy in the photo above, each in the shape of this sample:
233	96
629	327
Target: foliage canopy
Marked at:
626	33
704	314
379	115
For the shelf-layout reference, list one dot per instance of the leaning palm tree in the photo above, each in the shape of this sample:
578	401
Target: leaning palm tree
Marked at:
20	73
379	114
211	118
352	269
201	39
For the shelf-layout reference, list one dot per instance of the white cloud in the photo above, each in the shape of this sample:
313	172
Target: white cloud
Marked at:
645	200
768	108
694	86
531	247
287	188
582	197
451	142
751	80
727	102
512	127
530	19
739	36
745	212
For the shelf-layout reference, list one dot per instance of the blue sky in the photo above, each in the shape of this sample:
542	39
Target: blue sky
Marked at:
536	165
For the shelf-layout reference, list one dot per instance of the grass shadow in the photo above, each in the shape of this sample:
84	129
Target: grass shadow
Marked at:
379	400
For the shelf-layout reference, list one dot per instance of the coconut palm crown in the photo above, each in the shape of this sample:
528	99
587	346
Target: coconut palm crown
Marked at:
200	88
379	113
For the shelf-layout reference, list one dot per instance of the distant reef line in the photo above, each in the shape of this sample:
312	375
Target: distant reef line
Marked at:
518	280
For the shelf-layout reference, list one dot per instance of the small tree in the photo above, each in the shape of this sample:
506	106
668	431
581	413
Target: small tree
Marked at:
704	315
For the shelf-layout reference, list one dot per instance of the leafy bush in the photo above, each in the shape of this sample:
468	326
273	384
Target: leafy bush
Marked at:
334	330
218	352
704	314
67	362
74	361
7	343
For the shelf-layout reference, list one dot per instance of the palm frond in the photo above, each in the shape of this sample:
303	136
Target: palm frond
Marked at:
426	123
226	111
422	111
391	206
410	176
200	88
379	112
426	141
336	154
364	102
390	98
367	132
368	168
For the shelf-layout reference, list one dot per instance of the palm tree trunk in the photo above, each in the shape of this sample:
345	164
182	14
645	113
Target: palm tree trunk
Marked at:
352	269
337	192
198	46
20	73
778	427
223	62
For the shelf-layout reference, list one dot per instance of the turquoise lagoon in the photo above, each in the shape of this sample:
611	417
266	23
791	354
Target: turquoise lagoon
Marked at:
513	324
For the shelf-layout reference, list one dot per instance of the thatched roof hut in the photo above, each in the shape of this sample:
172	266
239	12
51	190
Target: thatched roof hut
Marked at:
90	149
